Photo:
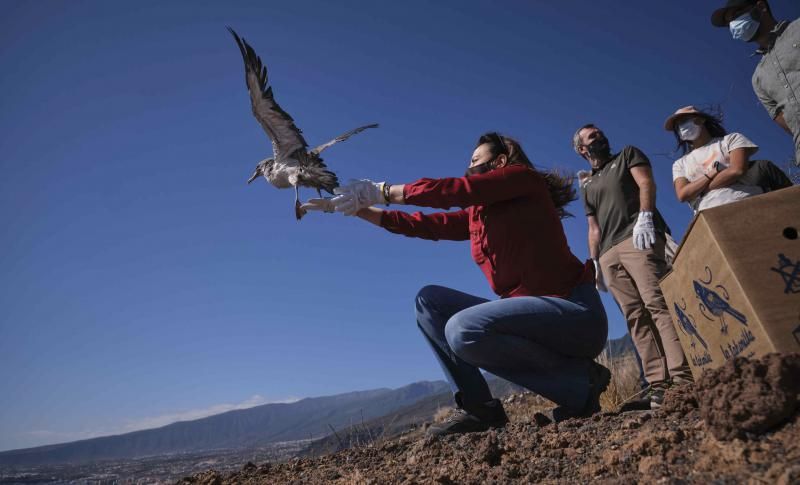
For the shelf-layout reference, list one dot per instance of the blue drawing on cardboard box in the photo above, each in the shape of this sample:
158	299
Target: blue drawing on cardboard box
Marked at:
790	272
688	327
716	301
718	306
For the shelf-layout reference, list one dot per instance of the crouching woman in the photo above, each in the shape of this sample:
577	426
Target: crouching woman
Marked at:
549	323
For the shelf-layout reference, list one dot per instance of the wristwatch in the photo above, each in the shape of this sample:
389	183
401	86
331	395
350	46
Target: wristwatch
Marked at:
718	166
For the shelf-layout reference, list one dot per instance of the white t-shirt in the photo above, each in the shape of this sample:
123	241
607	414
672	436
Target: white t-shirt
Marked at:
692	166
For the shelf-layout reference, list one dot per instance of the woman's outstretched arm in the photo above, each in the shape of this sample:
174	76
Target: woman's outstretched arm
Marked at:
371	214
504	183
451	226
396	194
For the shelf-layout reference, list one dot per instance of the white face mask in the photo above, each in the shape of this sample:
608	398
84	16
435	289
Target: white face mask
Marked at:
744	27
688	130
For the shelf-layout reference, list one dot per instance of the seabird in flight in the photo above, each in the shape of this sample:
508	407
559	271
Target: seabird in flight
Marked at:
291	165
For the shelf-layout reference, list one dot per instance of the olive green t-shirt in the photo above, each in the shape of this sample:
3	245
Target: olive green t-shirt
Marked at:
612	196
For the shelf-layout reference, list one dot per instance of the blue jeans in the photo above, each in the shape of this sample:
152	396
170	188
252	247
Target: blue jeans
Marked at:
545	344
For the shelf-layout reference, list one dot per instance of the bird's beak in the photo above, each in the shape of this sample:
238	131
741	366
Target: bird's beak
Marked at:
255	175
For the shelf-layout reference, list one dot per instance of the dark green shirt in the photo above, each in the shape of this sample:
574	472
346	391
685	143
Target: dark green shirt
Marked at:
612	196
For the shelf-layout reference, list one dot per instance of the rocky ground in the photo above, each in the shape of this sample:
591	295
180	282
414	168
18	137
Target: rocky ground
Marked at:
737	424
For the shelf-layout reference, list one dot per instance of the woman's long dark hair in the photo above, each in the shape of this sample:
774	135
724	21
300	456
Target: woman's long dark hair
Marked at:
559	185
712	120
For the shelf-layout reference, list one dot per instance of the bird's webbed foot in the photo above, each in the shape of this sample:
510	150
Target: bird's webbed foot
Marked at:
299	212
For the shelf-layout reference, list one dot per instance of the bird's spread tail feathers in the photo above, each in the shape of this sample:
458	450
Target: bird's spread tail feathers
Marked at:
322	179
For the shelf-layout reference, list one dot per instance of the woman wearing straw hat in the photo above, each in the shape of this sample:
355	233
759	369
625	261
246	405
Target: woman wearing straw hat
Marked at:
713	161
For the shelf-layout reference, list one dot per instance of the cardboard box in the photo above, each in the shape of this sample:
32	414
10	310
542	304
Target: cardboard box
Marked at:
734	288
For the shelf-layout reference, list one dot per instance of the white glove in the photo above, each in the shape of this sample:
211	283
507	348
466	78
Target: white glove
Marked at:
599	281
324	205
356	195
644	232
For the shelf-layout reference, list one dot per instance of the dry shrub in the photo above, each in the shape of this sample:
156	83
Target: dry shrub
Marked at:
442	413
624	380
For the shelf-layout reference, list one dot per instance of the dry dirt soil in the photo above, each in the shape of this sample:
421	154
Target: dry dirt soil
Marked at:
737	424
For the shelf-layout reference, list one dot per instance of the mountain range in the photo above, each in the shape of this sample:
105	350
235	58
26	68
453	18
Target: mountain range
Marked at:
314	417
244	428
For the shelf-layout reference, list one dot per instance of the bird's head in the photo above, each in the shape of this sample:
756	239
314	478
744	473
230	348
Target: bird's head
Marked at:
261	169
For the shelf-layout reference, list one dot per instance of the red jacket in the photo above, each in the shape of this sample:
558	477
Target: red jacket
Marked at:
516	235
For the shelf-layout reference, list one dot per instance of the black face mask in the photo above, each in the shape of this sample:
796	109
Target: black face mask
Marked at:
480	169
599	149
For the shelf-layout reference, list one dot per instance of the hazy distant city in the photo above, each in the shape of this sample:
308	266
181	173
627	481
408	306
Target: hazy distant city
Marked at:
156	469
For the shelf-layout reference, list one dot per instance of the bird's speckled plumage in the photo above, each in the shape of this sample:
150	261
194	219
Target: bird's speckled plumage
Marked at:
291	164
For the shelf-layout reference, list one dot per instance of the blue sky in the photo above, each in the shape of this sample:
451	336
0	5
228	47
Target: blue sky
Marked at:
143	281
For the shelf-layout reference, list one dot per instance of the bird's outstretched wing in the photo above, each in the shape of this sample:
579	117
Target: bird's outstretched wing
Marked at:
286	137
318	150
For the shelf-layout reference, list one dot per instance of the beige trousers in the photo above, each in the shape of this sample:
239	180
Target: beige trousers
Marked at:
631	276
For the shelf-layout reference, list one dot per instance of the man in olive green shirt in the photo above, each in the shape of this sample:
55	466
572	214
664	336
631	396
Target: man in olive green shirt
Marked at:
627	240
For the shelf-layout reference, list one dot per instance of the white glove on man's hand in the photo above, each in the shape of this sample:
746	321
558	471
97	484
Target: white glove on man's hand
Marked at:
357	195
324	205
644	232
599	280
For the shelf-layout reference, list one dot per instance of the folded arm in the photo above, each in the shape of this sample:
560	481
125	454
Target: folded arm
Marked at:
737	168
687	191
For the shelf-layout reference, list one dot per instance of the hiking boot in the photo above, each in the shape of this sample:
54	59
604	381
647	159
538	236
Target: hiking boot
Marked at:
480	418
641	404
656	397
599	379
652	399
681	381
